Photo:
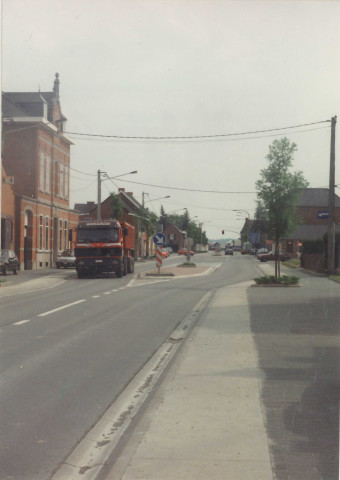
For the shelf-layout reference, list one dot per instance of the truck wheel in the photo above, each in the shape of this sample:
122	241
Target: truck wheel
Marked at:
131	265
119	271
124	266
80	274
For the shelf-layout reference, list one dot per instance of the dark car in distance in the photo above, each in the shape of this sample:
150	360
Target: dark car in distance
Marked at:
9	262
229	251
265	257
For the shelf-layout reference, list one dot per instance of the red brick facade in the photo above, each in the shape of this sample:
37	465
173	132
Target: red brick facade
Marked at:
7	211
36	154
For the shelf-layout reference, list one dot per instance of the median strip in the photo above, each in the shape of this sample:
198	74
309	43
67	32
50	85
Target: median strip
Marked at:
60	308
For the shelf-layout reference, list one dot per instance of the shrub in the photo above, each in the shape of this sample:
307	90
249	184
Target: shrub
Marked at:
284	280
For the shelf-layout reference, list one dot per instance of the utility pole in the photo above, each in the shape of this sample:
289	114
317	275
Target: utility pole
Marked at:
331	203
99	195
142	244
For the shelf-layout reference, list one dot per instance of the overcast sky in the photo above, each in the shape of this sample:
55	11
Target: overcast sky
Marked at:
178	69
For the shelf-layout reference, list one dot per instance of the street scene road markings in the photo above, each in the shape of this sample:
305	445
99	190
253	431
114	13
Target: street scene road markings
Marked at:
61	308
21	322
107	293
95	296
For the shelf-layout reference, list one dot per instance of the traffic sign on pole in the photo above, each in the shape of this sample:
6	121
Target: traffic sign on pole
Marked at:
159	239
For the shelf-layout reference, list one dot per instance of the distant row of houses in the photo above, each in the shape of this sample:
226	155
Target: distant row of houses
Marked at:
312	211
36	218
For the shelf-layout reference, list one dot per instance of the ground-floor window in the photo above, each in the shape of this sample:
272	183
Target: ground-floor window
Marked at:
46	232
40	232
60	234
65	235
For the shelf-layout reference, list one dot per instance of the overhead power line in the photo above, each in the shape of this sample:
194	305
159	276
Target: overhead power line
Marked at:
178	188
195	137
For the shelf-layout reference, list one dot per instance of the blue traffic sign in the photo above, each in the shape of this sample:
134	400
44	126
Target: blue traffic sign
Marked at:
159	239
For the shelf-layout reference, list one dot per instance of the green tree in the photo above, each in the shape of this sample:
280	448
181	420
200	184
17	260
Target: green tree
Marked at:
185	220
278	190
116	206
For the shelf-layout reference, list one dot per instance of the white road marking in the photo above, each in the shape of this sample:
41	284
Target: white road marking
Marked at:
107	293
21	322
95	296
60	308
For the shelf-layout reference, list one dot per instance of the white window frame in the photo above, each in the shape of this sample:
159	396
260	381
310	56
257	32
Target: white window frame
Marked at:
47	226
48	174
42	172
41	232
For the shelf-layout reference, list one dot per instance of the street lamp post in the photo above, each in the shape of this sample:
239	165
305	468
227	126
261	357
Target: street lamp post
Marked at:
238	210
99	188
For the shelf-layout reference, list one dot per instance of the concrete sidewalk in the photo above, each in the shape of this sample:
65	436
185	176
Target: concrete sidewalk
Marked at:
205	420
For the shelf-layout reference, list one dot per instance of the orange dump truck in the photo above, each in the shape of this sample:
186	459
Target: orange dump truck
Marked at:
104	246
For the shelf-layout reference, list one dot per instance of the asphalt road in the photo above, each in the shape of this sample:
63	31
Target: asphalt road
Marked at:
70	346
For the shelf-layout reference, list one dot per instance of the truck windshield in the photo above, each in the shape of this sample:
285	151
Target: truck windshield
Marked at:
98	235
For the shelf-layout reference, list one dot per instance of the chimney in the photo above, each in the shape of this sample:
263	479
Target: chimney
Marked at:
56	86
121	189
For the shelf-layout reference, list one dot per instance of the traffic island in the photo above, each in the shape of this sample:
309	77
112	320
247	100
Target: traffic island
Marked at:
272	281
181	270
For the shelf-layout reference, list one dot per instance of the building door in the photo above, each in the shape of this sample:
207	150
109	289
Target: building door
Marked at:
28	232
55	240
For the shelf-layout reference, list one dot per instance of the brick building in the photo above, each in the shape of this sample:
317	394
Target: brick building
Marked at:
312	210
175	238
7	211
36	154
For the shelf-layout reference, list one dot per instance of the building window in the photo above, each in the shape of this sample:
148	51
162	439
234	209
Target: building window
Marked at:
40	232
65	235
61	181
48	175
42	172
46	232
66	181
60	234
56	179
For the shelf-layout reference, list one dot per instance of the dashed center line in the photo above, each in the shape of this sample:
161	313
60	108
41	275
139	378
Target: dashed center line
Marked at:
95	296
61	308
21	322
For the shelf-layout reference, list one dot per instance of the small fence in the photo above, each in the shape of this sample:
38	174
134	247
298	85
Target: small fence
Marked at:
316	262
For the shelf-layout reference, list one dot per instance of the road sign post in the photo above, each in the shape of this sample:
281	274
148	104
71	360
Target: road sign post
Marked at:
159	241
159	260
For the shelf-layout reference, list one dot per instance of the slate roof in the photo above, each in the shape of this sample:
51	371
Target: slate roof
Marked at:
30	104
316	197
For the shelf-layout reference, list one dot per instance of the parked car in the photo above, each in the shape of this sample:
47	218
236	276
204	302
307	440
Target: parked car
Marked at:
252	251
244	251
229	251
261	251
9	262
66	259
164	252
183	251
265	257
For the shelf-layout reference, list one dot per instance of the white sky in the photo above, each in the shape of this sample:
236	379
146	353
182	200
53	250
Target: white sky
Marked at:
181	68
